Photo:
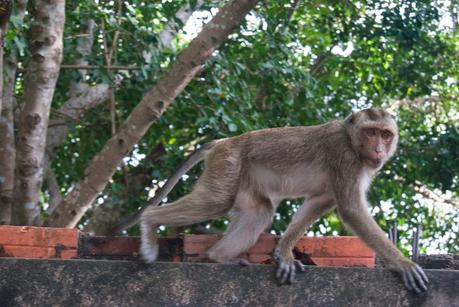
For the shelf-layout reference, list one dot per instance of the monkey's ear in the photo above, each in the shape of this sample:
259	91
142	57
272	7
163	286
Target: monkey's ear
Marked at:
350	119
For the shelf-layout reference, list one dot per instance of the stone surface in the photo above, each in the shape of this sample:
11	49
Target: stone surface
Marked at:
445	261
129	283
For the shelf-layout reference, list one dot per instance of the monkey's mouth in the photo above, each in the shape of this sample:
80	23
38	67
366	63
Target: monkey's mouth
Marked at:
373	162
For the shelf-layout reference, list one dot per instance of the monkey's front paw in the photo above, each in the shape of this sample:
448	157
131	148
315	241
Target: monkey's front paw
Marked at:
286	270
413	277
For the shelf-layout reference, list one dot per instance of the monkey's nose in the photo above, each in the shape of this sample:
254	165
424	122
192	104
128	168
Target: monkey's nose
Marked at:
379	149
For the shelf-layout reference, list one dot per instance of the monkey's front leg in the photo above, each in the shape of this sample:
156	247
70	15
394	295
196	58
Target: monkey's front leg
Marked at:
311	210
354	212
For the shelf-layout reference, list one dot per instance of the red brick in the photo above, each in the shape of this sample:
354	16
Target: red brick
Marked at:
38	236
335	251
344	261
334	247
27	251
196	246
265	244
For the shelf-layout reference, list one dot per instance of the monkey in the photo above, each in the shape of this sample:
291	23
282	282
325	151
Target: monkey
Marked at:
248	175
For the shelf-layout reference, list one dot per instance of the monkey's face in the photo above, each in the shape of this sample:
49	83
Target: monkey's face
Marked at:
376	146
374	135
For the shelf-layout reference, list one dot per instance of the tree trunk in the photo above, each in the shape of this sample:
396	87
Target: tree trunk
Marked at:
188	63
42	73
7	143
5	12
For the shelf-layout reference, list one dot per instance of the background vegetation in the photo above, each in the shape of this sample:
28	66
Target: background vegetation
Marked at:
290	63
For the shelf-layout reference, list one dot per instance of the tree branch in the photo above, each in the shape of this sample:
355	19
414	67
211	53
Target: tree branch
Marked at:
397	104
85	42
319	61
429	194
111	67
55	196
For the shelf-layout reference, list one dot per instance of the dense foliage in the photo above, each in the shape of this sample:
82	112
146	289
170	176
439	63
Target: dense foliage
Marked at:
288	65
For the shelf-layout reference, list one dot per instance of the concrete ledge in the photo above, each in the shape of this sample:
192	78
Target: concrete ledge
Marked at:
128	283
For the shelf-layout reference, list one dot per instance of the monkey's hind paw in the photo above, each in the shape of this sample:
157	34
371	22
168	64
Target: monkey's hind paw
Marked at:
286	270
149	253
242	261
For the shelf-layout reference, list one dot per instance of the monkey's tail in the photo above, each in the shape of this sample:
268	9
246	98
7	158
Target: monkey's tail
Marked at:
188	164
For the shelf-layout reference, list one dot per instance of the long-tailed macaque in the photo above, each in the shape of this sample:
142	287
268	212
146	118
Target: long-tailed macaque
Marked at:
248	175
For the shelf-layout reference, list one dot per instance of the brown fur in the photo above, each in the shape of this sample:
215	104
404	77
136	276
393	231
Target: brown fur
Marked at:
330	164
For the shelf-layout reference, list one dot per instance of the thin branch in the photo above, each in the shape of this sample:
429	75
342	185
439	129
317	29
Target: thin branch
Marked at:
109	53
114	67
429	194
318	63
84	67
290	11
83	51
55	196
113	48
397	104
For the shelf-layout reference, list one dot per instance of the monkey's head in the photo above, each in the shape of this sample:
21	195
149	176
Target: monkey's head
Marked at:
374	135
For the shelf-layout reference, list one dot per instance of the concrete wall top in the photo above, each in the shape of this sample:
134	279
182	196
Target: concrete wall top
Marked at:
129	283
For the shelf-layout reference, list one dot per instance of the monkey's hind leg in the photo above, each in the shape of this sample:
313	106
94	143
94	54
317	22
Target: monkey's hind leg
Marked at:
191	209
212	197
251	215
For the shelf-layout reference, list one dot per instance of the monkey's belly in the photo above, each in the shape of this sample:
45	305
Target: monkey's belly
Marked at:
294	182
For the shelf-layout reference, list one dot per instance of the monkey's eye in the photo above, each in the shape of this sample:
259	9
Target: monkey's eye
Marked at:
386	135
370	131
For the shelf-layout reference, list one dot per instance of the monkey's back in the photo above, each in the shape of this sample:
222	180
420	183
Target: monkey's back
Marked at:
295	144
